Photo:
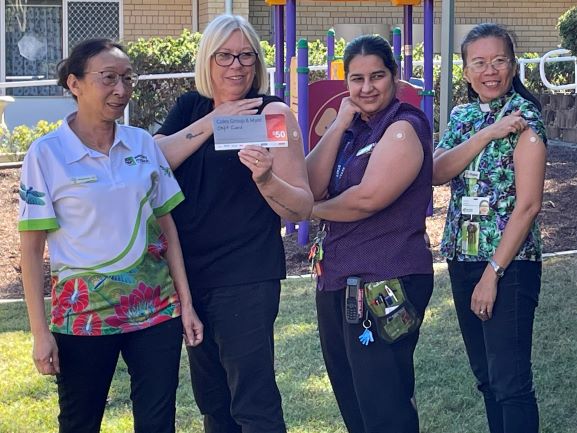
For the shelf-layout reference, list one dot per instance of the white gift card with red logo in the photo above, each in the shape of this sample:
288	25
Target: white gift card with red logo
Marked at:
235	132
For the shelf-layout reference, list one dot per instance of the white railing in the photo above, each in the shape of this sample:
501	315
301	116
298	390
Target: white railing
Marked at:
548	57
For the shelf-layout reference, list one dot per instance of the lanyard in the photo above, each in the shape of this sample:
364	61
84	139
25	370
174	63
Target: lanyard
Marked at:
344	160
474	165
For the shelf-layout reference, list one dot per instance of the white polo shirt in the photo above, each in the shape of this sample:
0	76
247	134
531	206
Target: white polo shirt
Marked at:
99	210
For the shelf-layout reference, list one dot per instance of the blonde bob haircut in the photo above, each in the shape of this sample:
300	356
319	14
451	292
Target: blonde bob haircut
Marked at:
215	34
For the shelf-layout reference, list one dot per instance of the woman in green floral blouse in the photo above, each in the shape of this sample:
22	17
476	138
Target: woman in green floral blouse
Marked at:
493	151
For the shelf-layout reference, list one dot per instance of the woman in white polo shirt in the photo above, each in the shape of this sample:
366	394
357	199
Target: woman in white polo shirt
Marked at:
101	194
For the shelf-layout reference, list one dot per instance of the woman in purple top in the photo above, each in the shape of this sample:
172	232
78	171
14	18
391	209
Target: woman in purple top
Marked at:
371	178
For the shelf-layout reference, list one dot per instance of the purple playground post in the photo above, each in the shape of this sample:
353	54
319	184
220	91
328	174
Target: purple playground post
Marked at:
278	11
291	37
397	48
303	116
428	92
408	42
330	50
291	41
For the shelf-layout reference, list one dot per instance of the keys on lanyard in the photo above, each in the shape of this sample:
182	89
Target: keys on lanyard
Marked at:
316	252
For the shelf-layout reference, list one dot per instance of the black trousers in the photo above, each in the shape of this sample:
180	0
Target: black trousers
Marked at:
233	377
499	349
374	384
87	365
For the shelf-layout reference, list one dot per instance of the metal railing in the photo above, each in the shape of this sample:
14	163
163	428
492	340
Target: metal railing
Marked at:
548	57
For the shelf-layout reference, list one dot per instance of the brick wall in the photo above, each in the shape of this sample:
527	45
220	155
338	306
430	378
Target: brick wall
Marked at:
147	18
533	21
208	9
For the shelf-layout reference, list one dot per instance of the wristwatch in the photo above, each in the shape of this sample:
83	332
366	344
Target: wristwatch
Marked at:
500	271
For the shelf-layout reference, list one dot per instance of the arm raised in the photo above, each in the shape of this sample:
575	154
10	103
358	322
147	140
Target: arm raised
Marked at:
280	173
321	160
180	145
450	163
393	166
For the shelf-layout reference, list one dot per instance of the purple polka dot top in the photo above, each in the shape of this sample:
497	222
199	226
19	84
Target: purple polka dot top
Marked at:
390	243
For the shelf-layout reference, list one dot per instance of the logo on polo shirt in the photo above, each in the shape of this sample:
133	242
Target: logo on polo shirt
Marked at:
135	160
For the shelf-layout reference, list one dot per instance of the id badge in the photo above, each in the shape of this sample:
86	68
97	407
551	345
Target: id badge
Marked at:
472	174
470	238
475	205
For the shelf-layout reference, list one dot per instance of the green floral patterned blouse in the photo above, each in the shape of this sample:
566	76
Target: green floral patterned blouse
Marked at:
496	178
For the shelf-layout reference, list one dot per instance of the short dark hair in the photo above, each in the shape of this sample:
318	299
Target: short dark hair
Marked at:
492	30
367	45
80	55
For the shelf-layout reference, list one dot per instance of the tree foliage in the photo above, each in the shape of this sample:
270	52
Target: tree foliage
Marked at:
567	26
153	98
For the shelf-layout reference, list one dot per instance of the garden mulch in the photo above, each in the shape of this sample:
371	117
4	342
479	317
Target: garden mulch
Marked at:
558	220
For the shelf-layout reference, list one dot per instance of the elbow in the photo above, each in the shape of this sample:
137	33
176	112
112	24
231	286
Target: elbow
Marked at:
306	209
438	180
438	177
534	209
529	209
367	206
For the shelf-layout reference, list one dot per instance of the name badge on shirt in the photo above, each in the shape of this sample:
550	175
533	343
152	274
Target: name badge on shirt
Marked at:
472	174
84	179
475	206
367	149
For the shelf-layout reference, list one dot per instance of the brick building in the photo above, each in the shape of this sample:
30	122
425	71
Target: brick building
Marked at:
533	21
36	34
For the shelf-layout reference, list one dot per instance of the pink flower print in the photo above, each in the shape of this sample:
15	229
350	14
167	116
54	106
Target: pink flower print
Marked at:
138	309
158	249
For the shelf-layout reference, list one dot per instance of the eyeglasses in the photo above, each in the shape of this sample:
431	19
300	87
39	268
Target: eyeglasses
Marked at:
248	58
111	78
498	63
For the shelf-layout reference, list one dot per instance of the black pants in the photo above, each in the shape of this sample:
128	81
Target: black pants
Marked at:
499	349
87	365
374	384
232	371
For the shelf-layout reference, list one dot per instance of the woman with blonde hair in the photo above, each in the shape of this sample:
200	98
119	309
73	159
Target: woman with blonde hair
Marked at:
229	225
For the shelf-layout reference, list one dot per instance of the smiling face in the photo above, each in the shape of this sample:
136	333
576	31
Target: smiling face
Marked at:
96	100
231	83
491	83
371	85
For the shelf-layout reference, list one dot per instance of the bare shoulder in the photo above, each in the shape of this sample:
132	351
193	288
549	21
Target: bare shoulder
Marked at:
276	107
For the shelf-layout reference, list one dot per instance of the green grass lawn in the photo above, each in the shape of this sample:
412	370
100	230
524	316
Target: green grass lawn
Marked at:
447	399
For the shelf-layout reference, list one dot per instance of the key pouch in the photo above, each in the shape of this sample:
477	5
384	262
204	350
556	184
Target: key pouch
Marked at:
394	315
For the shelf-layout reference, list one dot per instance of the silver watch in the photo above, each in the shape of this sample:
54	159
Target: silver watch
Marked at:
500	271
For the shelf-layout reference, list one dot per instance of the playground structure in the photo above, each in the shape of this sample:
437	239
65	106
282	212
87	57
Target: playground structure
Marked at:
285	12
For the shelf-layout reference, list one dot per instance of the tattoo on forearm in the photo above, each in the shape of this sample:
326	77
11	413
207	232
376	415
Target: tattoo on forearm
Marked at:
191	135
282	205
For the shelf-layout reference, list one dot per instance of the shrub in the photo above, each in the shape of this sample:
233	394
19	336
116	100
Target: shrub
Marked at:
567	26
564	73
21	137
153	98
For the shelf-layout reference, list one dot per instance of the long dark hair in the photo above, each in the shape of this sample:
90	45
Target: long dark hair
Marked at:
492	30
79	57
367	45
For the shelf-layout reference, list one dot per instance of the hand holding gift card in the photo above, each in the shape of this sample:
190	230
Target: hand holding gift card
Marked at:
236	132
